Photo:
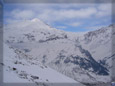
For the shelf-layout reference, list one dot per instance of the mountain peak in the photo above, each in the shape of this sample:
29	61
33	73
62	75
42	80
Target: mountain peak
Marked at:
35	20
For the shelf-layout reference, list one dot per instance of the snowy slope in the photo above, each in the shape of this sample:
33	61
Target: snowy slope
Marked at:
84	57
25	69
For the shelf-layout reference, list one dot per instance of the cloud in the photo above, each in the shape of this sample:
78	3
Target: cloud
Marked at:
54	12
105	7
22	14
53	15
61	12
11	21
59	15
75	24
104	10
36	7
61	27
81	13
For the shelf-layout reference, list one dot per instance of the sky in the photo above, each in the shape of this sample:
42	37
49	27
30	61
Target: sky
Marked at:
68	17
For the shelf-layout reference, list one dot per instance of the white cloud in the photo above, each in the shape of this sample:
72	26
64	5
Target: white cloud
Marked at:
22	14
53	15
75	24
105	7
81	13
10	21
104	10
61	27
54	12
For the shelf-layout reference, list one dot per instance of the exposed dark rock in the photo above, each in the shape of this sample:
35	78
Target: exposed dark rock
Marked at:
35	77
14	69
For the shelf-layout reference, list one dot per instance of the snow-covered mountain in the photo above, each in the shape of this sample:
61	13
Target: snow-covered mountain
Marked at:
22	68
84	57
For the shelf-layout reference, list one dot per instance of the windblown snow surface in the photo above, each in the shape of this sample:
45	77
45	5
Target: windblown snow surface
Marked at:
34	52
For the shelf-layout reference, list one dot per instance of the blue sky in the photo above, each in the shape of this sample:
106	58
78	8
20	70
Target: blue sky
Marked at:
68	17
